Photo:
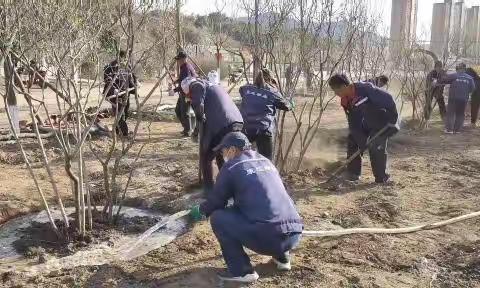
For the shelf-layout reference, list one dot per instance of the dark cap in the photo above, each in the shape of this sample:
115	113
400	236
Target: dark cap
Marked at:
234	139
181	55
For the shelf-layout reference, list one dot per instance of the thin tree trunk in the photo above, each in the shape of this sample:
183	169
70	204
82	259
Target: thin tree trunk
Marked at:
48	168
178	6
256	40
81	194
32	174
68	170
40	143
89	199
10	92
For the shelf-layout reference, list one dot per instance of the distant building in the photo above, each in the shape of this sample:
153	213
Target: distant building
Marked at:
448	28
472	32
440	27
458	28
455	29
403	23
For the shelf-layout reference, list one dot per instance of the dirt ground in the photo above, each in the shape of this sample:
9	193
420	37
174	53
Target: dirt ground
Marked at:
436	177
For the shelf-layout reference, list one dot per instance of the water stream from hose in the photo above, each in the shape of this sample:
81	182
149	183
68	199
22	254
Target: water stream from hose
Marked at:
119	247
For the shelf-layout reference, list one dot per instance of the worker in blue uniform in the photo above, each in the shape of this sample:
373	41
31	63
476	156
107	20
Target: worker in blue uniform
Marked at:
262	218
368	109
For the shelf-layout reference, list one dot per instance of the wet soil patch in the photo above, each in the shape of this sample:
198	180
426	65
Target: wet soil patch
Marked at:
38	238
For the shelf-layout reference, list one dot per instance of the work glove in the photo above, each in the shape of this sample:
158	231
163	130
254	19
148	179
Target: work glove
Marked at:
195	214
292	104
393	126
392	129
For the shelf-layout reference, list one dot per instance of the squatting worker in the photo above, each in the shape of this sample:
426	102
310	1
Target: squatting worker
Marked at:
461	85
368	109
259	107
120	82
218	114
263	217
181	109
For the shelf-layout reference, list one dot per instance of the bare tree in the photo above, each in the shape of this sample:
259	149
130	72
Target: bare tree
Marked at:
70	35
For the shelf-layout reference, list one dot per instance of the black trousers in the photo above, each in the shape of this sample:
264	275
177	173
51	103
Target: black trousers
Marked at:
431	97
122	126
442	108
208	155
181	110
264	142
475	105
378	157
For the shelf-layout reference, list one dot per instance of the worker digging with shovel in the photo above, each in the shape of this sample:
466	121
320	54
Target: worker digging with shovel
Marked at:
369	110
262	218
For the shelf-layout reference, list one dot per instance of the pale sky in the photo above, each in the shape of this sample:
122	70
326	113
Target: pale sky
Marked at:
383	7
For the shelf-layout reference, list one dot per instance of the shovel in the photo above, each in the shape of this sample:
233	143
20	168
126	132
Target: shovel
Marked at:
191	119
355	155
200	136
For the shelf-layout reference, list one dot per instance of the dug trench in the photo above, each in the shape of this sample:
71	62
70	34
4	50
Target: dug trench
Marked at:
435	177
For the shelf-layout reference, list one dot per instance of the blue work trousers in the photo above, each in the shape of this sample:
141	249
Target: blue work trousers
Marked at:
234	232
455	114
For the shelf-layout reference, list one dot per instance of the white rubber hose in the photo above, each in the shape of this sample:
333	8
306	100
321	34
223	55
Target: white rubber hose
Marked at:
333	233
324	233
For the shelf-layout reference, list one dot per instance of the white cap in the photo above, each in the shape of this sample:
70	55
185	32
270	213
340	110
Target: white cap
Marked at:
186	84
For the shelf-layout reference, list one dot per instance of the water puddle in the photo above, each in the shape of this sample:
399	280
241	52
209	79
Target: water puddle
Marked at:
94	254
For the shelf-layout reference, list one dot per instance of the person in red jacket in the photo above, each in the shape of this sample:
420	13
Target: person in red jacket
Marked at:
369	109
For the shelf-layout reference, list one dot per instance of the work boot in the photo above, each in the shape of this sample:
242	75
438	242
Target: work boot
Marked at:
385	180
194	137
247	278
283	264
